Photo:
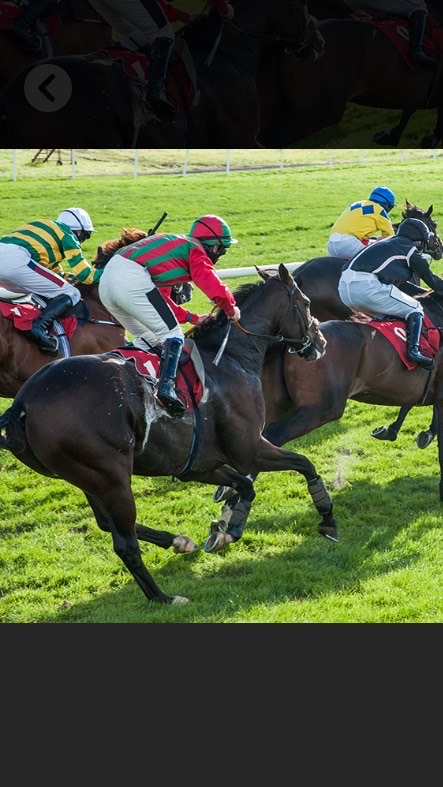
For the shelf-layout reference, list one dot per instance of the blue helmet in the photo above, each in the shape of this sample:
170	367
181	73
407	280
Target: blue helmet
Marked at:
384	196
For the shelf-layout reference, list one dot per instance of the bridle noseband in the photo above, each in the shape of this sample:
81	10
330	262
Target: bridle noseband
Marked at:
301	346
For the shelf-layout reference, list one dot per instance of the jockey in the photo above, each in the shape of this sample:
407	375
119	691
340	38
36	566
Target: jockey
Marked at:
22	29
415	11
130	284
369	281
358	223
144	26
30	262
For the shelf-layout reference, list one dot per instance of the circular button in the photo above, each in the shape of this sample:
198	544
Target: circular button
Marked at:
47	88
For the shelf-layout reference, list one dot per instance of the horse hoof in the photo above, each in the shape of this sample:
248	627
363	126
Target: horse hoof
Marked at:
424	439
183	545
328	532
384	138
179	600
384	433
222	493
218	539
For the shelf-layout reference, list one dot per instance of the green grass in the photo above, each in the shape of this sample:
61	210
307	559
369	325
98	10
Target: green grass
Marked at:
57	567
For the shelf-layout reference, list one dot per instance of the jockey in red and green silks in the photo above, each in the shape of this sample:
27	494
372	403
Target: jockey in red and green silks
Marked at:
145	26
131	281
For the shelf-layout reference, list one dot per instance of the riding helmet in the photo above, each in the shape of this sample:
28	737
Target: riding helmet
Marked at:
211	230
384	197
415	230
76	219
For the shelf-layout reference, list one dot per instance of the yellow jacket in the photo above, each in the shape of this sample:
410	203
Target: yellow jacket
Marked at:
364	219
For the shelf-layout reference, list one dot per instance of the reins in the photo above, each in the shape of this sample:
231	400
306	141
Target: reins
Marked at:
298	346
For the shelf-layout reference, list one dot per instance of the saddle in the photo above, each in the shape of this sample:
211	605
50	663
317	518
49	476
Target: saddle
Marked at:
47	27
181	80
395	332
26	308
190	381
397	31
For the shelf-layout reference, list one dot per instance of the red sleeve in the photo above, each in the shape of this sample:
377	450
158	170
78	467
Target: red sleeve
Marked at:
174	14
220	6
181	314
205	278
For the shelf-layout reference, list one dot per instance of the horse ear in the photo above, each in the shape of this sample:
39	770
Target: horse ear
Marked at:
265	275
285	275
429	210
408	204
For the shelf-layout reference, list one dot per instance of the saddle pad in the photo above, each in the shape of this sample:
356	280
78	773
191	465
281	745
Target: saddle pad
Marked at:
188	384
179	84
395	332
23	315
397	31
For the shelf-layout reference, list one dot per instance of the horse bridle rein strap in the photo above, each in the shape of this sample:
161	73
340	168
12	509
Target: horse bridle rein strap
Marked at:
299	346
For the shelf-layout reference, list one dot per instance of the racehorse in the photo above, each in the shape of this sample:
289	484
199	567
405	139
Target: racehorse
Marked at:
78	29
318	278
360	64
96	332
359	364
217	107
124	430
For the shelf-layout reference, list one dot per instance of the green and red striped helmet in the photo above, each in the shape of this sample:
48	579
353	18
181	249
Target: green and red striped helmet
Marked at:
211	230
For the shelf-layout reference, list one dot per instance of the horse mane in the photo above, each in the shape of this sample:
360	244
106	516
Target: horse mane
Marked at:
241	294
104	252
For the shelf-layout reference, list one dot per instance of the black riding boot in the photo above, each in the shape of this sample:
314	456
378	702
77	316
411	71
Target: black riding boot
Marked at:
168	371
22	30
160	53
414	323
40	327
417	27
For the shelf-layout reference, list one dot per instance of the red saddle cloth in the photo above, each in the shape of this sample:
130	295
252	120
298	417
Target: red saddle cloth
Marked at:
395	332
188	385
23	315
398	32
10	11
179	85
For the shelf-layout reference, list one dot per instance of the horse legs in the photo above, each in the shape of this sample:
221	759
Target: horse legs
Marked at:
390	432
393	136
233	510
125	542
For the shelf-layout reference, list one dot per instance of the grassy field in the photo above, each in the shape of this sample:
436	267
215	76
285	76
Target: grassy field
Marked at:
57	567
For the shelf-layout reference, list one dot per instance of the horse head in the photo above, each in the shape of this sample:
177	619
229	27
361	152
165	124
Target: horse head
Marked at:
411	211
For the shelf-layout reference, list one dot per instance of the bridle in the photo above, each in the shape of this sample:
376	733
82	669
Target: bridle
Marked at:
302	346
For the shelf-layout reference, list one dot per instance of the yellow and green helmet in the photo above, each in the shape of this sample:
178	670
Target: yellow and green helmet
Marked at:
211	230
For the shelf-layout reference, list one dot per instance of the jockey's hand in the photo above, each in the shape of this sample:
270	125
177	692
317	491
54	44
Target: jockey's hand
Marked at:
199	319
236	316
70	278
224	9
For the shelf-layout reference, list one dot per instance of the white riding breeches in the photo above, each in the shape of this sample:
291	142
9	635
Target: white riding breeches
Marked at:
345	246
132	22
394	7
128	292
364	291
19	273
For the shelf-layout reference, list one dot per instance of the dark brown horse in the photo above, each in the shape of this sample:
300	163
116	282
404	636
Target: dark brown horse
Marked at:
359	364
20	357
318	278
124	431
78	30
103	106
360	65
